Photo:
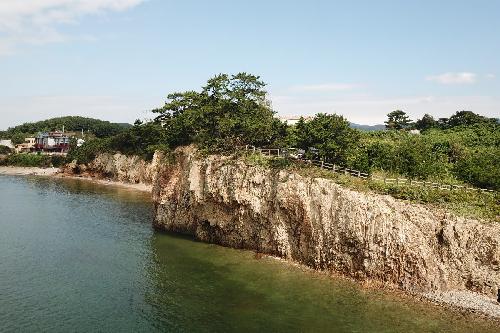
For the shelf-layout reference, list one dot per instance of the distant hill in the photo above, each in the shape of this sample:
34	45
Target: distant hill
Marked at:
99	128
368	127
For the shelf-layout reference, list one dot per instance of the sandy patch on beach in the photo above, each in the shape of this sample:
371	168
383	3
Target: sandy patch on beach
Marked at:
55	172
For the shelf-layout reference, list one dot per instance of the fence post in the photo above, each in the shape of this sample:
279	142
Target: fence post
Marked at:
333	167
254	149
359	174
322	163
397	181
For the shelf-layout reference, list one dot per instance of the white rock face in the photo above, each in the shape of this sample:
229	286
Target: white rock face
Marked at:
323	225
130	169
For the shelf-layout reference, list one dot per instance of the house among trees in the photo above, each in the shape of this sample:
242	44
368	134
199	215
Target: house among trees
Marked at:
27	146
52	142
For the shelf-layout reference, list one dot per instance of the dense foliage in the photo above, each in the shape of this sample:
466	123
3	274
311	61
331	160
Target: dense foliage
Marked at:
330	137
462	148
143	139
465	152
460	118
228	111
96	127
4	150
33	160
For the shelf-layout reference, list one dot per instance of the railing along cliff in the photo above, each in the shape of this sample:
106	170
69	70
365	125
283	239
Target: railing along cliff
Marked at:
356	173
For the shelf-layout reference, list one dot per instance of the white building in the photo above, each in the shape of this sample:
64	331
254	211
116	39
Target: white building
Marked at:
7	143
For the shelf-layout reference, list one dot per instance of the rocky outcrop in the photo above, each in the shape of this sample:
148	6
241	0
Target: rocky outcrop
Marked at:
320	224
118	167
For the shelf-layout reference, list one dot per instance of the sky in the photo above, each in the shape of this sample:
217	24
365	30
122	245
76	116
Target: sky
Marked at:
118	59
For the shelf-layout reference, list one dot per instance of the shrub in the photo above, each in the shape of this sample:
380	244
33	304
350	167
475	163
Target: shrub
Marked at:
89	150
4	150
28	160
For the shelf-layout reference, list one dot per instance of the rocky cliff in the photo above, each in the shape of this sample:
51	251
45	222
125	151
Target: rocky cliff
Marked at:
323	225
122	168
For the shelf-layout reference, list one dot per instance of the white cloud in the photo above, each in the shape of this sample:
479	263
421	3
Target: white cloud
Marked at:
327	87
454	78
37	21
490	76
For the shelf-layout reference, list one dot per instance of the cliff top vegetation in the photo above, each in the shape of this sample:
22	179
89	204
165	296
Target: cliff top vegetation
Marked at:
233	110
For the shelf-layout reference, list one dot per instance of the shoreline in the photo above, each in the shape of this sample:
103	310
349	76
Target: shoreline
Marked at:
464	302
57	173
459	301
28	171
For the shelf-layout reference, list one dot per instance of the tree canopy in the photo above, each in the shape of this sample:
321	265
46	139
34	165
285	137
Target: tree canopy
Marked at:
460	118
228	111
426	122
330	134
99	128
397	120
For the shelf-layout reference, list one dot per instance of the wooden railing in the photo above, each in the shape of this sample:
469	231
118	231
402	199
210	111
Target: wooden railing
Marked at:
277	152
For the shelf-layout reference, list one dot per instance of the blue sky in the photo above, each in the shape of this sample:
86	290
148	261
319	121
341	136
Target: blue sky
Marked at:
117	59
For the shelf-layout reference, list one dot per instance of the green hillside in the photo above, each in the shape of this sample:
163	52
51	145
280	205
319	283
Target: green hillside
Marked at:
98	128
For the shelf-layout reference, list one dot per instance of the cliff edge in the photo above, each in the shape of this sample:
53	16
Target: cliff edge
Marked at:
318	223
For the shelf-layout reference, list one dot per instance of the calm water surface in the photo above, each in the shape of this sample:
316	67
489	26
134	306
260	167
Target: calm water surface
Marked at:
76	256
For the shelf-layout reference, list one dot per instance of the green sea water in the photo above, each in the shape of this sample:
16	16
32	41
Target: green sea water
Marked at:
80	257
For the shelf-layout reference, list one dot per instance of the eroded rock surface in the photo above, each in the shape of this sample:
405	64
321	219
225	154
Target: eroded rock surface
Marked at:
323	225
118	167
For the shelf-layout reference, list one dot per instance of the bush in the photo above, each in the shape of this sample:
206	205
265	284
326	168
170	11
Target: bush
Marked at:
34	160
4	150
331	135
461	154
89	150
480	167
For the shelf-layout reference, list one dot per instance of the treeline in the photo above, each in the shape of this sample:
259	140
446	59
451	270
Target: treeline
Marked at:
142	139
227	112
398	120
95	127
231	111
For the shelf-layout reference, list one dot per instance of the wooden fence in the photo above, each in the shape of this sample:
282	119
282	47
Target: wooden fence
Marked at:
356	173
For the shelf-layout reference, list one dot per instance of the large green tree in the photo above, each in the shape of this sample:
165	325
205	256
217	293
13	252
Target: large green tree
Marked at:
228	111
397	120
426	122
331	135
467	118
